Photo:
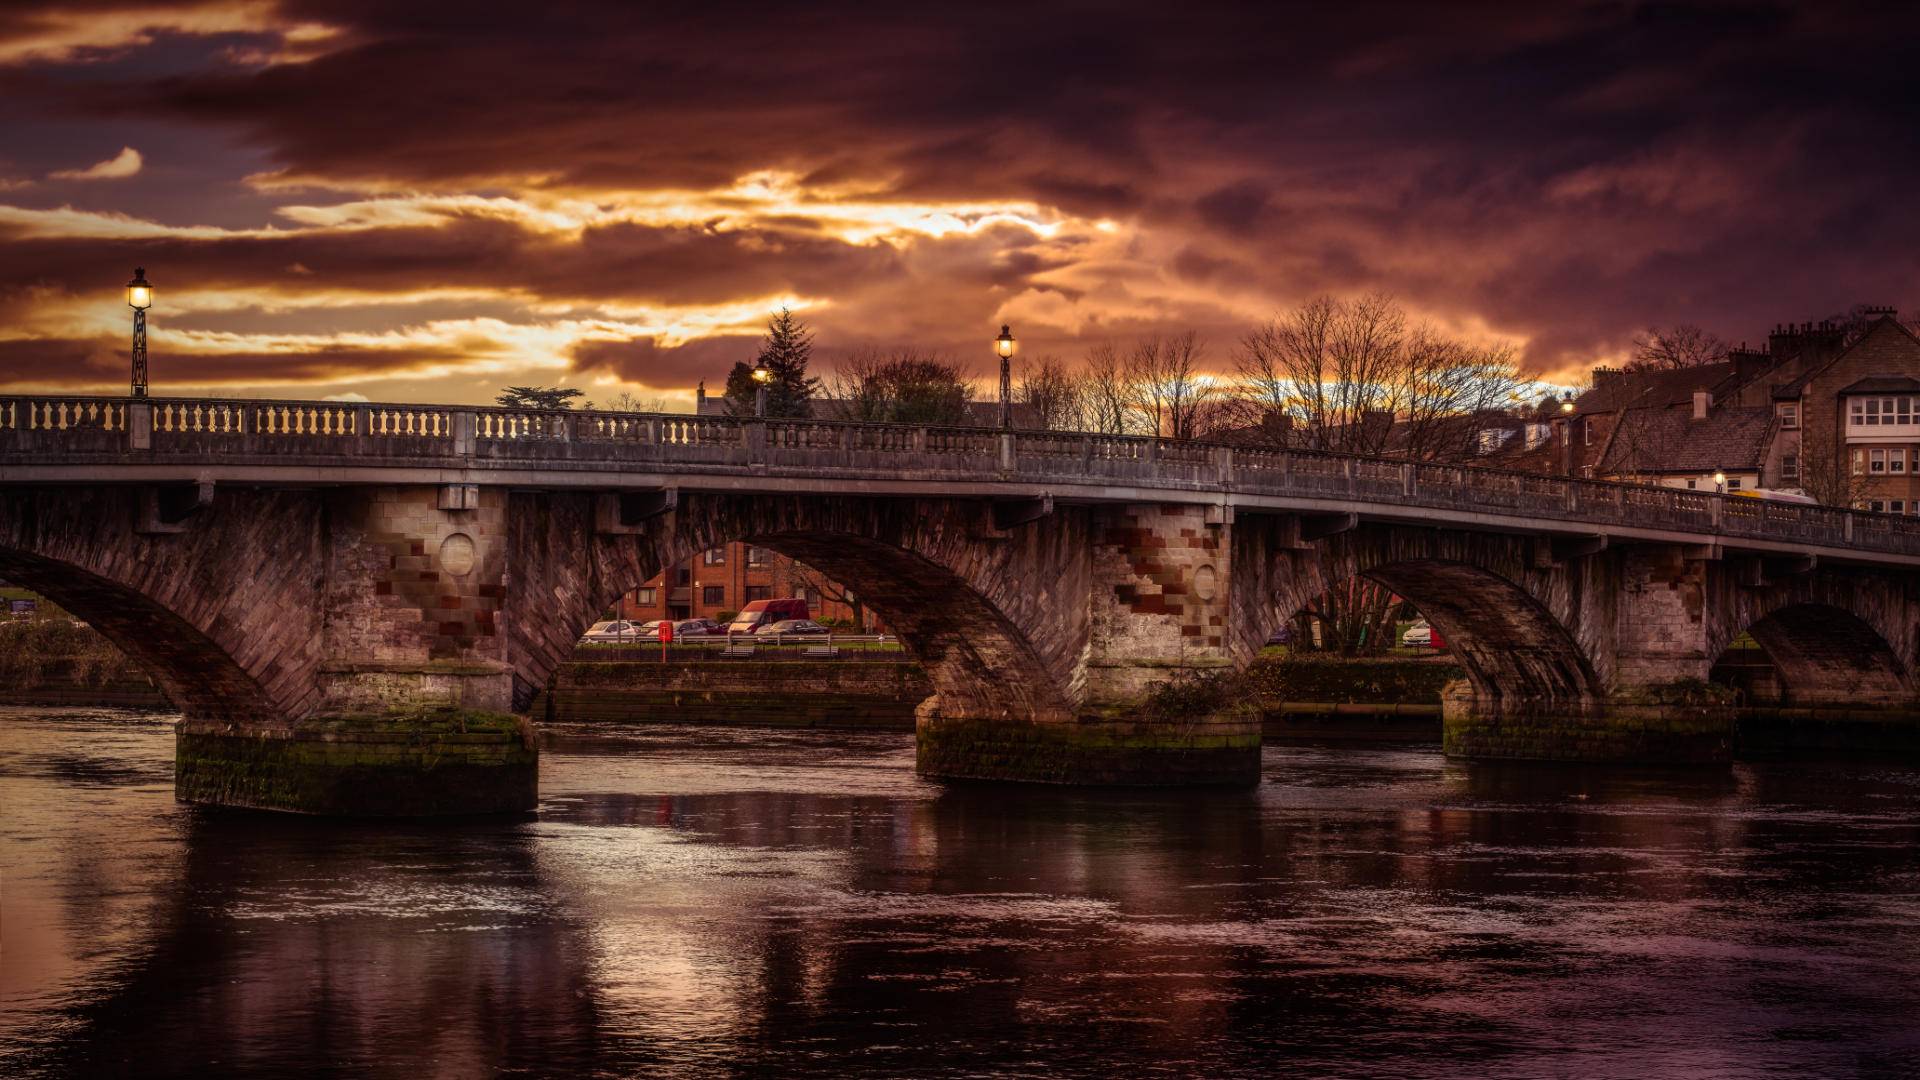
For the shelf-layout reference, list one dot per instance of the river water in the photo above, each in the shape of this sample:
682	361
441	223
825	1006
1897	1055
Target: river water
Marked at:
703	902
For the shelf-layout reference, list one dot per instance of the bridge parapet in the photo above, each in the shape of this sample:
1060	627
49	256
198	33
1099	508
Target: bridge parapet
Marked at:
76	431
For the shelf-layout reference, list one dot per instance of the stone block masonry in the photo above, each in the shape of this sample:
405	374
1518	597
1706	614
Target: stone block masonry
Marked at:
420	766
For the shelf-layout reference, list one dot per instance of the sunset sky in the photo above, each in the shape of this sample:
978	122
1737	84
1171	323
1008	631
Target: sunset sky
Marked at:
343	197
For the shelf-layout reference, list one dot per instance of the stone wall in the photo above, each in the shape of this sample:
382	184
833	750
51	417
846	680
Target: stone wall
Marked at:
839	693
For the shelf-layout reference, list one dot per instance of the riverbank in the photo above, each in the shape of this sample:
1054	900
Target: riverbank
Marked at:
56	662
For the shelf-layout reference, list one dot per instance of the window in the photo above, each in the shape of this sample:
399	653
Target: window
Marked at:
758	556
1876	506
682	576
1586	431
1789	466
644	597
1733	483
1897	460
716	556
1790	416
759	592
1876	461
800	592
713	595
1873	411
1693	485
1897	506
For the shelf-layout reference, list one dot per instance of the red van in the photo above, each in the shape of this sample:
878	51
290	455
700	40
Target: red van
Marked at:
765	613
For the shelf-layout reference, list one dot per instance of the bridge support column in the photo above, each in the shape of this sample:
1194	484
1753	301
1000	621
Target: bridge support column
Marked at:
1155	709
1662	709
409	709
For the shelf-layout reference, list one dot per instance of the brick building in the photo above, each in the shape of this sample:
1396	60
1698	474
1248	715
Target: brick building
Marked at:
726	579
1850	426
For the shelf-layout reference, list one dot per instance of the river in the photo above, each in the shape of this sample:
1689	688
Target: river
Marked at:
706	902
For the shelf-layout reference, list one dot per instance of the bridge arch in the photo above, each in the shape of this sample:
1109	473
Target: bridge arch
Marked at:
997	640
1825	654
191	607
1511	625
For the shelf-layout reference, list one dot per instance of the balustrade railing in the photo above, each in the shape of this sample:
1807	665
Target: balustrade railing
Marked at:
77	427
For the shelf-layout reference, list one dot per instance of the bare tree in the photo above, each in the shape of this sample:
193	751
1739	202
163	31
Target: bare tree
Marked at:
817	584
1358	378
628	401
1682	346
1167	387
1054	397
1357	616
1827	473
1108	395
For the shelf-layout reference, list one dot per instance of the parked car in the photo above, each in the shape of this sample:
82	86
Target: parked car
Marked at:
794	626
1418	636
761	614
687	628
1282	636
612	631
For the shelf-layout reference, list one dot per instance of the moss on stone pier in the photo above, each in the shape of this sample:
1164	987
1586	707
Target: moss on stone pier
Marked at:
414	764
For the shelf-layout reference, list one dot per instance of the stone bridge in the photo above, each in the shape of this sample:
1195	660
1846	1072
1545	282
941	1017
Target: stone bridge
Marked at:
350	602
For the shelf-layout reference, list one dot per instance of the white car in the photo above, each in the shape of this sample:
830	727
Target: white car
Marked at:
611	632
1419	635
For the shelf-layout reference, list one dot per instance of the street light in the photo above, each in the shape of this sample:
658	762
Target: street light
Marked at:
1566	402
760	376
139	298
1720	481
1004	346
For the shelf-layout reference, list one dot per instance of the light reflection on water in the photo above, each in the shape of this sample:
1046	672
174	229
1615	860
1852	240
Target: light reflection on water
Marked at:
719	902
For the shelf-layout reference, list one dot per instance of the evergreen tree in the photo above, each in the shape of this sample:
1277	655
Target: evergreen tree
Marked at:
786	350
538	397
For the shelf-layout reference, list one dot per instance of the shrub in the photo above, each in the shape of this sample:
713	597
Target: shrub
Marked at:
1190	694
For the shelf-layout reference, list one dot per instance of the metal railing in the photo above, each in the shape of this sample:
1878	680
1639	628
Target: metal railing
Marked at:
83	430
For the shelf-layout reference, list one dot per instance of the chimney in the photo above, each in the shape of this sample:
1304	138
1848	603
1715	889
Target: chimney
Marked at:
1702	401
700	398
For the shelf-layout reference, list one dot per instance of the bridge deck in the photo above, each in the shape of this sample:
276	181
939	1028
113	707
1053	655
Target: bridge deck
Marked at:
116	440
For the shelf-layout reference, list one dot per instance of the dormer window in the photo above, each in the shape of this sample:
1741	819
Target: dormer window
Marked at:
1790	415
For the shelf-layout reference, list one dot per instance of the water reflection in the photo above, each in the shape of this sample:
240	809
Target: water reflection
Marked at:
727	903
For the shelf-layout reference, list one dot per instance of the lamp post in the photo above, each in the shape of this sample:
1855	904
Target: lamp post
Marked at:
139	298
760	377
1720	481
1004	346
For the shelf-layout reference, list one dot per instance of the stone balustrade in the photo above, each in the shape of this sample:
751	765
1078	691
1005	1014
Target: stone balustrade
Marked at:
86	430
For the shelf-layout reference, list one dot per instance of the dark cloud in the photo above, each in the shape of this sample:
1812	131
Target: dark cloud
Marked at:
1568	173
84	363
642	360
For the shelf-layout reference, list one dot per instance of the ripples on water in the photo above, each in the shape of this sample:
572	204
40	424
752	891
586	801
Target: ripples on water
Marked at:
696	902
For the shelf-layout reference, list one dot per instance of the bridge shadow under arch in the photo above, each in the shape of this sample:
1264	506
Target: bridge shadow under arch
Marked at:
1816	654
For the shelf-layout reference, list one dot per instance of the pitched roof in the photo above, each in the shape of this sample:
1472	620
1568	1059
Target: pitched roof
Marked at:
1883	384
1885	324
1664	440
1658	389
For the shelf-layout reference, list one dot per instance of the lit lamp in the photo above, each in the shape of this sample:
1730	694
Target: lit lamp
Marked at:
139	298
1566	402
1720	481
761	375
1004	346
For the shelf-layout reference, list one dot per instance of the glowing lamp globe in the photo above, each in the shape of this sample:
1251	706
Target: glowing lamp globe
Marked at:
139	291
